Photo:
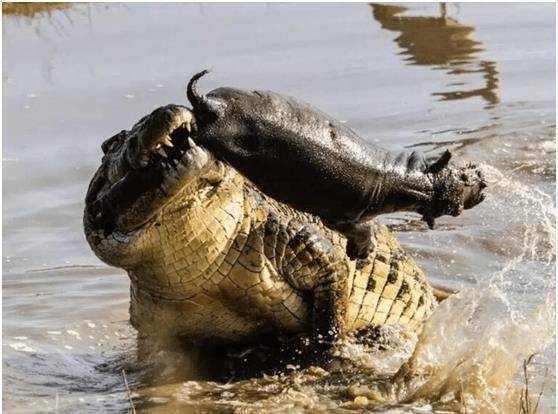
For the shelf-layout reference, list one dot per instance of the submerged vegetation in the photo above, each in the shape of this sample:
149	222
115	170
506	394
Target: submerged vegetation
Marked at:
526	400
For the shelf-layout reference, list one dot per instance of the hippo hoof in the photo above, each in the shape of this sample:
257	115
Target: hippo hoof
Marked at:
359	249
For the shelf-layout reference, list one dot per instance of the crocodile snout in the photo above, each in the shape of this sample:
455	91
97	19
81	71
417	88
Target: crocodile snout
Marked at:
163	135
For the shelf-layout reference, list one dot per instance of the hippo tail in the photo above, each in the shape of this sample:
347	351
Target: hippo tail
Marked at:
203	107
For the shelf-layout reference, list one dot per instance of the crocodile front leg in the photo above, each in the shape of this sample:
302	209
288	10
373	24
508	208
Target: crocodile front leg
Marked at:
311	263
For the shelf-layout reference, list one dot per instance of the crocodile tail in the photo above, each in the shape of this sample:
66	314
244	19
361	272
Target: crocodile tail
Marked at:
200	103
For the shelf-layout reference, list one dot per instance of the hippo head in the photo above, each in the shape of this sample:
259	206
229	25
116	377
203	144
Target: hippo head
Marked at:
454	189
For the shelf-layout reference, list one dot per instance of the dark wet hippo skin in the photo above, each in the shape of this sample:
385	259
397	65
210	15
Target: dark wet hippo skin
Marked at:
301	156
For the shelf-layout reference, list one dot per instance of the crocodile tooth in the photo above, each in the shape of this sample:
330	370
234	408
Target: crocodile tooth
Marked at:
175	161
181	168
181	152
171	178
167	141
162	152
191	143
144	160
188	126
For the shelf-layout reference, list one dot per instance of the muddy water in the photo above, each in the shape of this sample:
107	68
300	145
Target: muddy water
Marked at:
476	78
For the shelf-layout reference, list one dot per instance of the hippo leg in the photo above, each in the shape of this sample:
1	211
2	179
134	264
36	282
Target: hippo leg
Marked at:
360	238
314	265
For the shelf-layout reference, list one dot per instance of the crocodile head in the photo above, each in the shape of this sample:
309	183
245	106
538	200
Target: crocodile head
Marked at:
144	170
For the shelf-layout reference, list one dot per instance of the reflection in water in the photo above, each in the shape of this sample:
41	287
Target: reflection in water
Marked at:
441	42
488	93
46	19
31	9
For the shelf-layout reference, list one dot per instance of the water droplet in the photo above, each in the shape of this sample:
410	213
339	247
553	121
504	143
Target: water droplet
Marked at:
21	346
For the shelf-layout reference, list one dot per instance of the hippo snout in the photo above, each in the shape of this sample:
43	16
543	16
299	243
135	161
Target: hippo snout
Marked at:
474	184
454	190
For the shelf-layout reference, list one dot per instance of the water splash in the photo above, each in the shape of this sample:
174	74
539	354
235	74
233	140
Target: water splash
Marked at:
470	353
468	357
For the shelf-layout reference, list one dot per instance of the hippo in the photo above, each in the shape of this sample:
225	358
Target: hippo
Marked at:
307	159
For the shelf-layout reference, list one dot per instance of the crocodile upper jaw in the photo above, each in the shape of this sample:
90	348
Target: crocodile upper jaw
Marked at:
145	168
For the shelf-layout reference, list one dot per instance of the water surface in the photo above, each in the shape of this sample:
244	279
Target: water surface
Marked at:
476	78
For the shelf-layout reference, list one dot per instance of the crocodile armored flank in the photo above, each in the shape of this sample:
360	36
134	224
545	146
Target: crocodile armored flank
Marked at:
304	157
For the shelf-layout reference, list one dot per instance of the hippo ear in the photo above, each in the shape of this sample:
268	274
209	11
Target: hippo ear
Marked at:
200	103
416	162
440	164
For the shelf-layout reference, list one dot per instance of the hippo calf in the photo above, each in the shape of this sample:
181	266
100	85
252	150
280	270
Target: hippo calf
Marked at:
303	157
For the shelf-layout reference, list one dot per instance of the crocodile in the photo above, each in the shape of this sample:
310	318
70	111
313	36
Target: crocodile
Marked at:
212	259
